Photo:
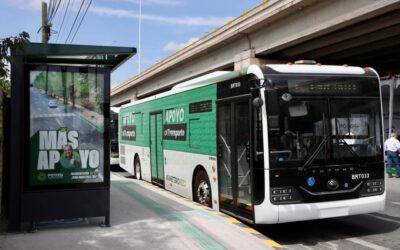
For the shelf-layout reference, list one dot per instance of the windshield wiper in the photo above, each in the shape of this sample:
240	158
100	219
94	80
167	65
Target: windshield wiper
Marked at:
315	153
348	147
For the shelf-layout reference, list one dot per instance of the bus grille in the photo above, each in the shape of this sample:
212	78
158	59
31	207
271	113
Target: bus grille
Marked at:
122	149
122	160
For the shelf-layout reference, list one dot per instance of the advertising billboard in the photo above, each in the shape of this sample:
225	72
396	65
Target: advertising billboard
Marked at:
66	125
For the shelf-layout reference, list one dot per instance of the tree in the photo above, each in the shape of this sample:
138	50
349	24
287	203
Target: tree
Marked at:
6	46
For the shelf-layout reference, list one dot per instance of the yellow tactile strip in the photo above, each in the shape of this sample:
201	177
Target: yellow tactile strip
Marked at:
248	229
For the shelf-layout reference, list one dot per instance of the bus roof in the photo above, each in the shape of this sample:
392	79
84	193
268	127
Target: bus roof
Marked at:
220	76
315	69
214	77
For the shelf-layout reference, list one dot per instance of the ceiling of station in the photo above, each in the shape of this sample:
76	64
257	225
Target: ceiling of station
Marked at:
373	42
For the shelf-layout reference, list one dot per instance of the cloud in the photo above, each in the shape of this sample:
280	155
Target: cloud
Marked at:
188	21
173	46
27	4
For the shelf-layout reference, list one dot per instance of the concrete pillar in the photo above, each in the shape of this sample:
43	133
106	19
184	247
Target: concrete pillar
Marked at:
248	57
245	59
134	95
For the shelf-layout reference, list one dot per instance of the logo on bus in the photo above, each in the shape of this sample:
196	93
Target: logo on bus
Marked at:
175	115
236	85
174	128
360	176
129	132
176	132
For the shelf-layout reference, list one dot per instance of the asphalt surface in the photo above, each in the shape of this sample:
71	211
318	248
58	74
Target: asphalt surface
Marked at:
143	216
379	231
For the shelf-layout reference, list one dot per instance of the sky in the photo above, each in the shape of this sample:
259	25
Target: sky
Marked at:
166	25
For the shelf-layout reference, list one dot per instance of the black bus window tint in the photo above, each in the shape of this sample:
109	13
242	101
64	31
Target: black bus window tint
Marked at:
258	165
357	123
259	131
298	130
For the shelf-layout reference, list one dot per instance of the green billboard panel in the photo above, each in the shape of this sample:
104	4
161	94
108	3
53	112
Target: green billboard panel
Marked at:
66	125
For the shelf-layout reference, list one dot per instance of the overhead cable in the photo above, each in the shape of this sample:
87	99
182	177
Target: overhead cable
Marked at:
73	25
83	17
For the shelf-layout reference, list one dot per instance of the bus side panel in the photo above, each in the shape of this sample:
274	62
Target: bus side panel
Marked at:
266	212
198	121
129	157
179	170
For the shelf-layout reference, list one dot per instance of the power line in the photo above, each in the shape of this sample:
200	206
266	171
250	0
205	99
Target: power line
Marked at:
62	22
69	14
55	7
73	25
58	20
49	9
83	17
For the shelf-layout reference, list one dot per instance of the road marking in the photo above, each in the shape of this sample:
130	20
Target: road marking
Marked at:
272	243
395	203
383	218
233	220
264	239
198	236
366	244
251	230
53	115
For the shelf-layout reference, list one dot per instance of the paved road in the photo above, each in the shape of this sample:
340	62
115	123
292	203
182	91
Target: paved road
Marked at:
143	216
53	118
379	231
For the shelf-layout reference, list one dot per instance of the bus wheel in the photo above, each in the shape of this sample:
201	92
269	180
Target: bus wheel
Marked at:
138	170
202	189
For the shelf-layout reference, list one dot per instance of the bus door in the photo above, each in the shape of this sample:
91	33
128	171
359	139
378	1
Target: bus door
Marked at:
234	165
156	148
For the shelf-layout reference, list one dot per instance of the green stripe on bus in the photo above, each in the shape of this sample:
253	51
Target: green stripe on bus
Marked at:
200	238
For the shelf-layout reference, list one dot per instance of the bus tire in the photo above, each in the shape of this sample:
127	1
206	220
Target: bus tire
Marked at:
138	169
202	189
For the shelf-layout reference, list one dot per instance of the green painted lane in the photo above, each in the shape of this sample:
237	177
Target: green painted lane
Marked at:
200	238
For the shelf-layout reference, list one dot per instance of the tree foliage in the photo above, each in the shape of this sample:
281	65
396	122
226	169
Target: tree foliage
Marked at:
7	45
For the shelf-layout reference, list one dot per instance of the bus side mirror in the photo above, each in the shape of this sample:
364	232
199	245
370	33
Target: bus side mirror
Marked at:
257	102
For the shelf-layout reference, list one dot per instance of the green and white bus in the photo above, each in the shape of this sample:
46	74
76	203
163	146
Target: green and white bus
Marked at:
268	144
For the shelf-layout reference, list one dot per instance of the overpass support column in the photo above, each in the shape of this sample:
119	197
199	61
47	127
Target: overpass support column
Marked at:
246	58
134	96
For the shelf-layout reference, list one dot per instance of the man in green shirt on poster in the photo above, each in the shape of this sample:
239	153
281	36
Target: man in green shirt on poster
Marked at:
70	159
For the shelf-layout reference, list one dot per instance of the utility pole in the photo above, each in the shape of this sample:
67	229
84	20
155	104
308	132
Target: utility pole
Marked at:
45	24
140	34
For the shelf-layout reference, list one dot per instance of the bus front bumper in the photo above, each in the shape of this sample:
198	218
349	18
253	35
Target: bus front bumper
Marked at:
321	210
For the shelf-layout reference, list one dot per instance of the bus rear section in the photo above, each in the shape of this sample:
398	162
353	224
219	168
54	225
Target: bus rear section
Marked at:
114	154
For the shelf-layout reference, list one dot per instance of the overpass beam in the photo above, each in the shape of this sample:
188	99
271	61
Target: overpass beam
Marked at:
248	57
245	59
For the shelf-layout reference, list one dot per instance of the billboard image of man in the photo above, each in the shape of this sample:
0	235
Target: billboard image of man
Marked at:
70	159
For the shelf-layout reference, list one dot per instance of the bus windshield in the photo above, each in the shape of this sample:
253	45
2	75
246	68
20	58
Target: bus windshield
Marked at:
316	130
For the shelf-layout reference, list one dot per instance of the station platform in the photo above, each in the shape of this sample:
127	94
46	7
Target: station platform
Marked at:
144	216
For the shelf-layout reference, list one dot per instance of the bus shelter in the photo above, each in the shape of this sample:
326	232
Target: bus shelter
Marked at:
58	167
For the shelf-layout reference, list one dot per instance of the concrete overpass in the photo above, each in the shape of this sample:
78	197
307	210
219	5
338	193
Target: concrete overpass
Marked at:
356	32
